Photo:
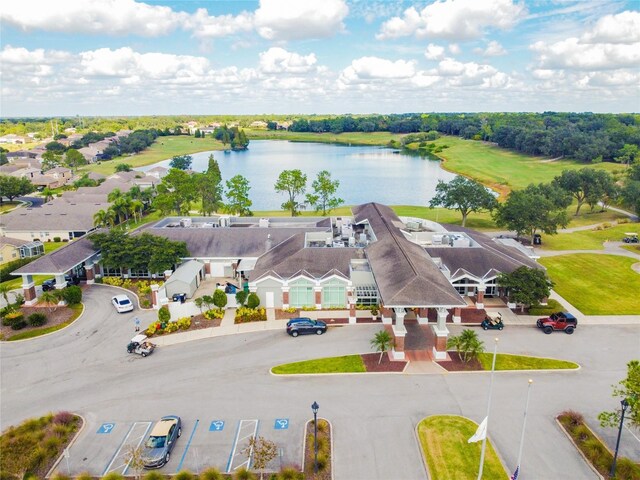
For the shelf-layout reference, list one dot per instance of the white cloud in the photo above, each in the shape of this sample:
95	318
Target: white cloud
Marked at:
616	78
455	20
293	19
434	52
373	68
110	17
205	26
455	49
573	54
621	28
20	55
493	49
470	73
278	60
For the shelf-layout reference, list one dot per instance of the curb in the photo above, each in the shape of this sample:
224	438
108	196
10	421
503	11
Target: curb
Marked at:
407	362
73	440
124	290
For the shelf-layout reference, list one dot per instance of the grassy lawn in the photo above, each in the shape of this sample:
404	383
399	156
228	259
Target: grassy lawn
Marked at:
163	148
587	239
17	281
51	246
505	361
502	169
77	310
349	138
30	449
6	206
346	364
596	284
448	455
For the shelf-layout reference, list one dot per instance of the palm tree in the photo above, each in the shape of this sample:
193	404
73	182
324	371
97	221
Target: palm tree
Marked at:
47	193
103	218
50	298
467	345
114	195
135	192
4	290
382	342
137	206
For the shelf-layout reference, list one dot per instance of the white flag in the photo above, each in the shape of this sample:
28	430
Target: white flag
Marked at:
481	432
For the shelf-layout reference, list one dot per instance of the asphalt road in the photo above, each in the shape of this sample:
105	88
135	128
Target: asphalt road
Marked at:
86	369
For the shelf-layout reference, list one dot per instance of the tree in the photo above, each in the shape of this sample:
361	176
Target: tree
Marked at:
631	194
219	298
50	160
56	147
526	286
627	389
123	167
382	342
4	291
51	299
12	187
261	452
293	183
199	302
134	457
178	188
47	193
583	184
467	344
324	190
241	297
210	187
253	300
164	314
73	159
536	208
181	162
628	154
464	195
237	194
604	191
197	134
3	156
104	218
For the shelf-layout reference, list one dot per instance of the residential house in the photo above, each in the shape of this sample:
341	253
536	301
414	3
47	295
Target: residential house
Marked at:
12	138
14	248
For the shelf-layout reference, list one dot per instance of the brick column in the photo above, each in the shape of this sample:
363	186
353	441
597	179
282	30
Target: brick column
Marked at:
480	297
207	269
457	315
29	290
386	315
318	297
422	315
285	297
155	300
441	334
89	269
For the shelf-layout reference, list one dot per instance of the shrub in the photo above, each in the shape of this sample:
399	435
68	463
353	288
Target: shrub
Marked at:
113	476
145	303
211	474
253	300
572	417
153	476
213	314
164	315
243	474
18	300
551	307
323	461
184	475
290	310
245	314
219	298
37	319
115	281
241	297
290	473
56	239
626	468
12	318
72	295
84	476
308	309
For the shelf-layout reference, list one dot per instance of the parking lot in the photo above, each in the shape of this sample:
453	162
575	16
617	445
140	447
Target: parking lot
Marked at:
213	442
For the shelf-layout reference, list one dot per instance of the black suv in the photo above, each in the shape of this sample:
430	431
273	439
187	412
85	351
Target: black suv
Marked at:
51	283
302	326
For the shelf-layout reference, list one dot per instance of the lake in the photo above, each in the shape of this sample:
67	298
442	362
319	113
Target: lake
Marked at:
366	174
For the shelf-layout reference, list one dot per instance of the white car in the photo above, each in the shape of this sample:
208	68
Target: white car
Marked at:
122	303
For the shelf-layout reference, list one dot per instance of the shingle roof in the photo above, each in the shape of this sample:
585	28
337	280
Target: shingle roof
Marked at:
404	273
60	261
55	215
16	242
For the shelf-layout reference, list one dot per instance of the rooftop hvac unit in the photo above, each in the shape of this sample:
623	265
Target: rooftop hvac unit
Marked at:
363	238
328	241
224	221
185	222
339	222
413	225
263	223
437	239
352	241
207	225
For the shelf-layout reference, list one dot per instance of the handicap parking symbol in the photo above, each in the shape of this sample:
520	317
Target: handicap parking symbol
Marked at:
216	426
106	428
281	424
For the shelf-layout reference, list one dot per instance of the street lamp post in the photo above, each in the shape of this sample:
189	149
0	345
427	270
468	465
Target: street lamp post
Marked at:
314	409
624	404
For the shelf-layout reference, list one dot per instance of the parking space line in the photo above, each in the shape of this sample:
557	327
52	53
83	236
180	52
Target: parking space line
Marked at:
244	426
118	452
187	447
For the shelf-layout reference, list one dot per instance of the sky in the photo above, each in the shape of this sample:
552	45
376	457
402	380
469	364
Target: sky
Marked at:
127	57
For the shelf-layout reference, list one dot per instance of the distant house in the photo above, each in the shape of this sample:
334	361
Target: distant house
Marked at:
28	172
90	153
12	138
14	248
283	125
158	172
60	173
258	124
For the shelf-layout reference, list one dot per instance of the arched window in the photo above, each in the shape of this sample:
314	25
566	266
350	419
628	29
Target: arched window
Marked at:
301	294
334	294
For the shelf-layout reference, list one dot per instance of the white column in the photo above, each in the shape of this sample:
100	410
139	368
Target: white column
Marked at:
441	332
399	330
60	282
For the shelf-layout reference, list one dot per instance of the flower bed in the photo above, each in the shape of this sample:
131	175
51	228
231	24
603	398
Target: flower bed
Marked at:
245	314
194	323
142	288
55	316
324	451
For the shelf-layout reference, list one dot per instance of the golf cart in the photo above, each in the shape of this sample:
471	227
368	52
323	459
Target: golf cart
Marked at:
140	345
631	238
492	321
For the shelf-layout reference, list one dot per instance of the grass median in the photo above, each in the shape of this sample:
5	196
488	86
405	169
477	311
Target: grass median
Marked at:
345	364
443	439
506	361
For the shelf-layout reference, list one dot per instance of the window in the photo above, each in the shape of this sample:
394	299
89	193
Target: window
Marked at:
366	295
301	294
334	294
140	274
111	272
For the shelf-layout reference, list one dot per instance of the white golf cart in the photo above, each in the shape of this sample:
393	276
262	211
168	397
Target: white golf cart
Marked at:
140	345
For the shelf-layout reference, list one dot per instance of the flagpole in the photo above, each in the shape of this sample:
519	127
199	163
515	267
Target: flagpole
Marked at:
484	440
524	425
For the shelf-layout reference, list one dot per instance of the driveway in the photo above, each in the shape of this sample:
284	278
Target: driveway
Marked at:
86	369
